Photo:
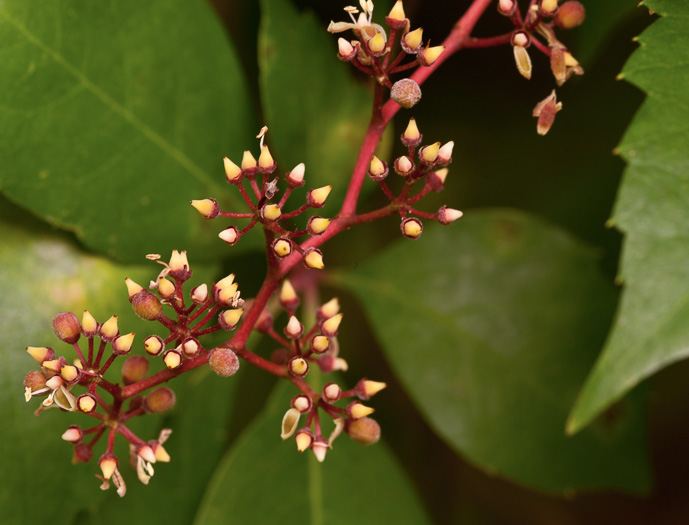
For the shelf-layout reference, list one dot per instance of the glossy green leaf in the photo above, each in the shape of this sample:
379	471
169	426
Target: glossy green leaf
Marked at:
117	113
265	480
651	329
491	325
316	112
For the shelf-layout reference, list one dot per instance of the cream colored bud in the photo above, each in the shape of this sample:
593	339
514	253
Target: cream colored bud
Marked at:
230	235
294	328
329	309
412	228
166	288
178	261
318	196
319	450
549	6
314	259
377	43
108	466
172	359
358	410
376	167
39	353
397	11
225	282
296	176
69	373
371	388
317	225
226	294
233	172
344	48
299	367
445	153
88	324
282	247
404	165
190	348
520	39
231	317
132	287
123	344
412	133
413	39
109	328
200	294
54	382
431	54
248	161
340	364
570	61
331	325
430	153
271	212
320	344
206	207
442	174
304	440
265	160
153	345
86	403
52	364
287	292
161	454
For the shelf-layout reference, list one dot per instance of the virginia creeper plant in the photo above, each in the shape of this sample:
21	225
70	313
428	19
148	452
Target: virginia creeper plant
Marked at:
115	378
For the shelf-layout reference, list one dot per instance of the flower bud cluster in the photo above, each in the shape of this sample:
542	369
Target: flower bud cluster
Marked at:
370	50
267	205
299	350
97	345
428	164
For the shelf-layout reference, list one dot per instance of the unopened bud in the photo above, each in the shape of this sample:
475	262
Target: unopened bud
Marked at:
366	388
108	465
134	369
365	430
429	154
377	169
288	296
396	18
403	165
329	309
190	347
199	294
233	173
411	136
271	212
330	326
229	319
571	14
430	55
223	361
296	176
445	152
331	393
86	403
89	326
146	453
304	438
146	306
266	164
73	434
154	345
172	359
447	215
317	225
345	50
248	161
412	228
294	328
405	92
376	44
298	366
40	353
507	7
122	344
547	7
357	410
411	42
66	327
33	382
206	207
160	453
316	198
282	247
55	382
302	403
109	330
313	258
319	447
521	38
70	374
159	400
320	344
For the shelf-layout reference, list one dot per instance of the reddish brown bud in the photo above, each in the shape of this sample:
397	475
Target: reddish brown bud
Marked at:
134	369
160	400
405	92
35	380
365	430
571	14
66	327
147	306
82	453
223	361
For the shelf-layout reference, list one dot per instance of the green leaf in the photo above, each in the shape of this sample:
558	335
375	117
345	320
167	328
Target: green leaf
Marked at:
650	331
316	112
115	115
264	480
491	326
